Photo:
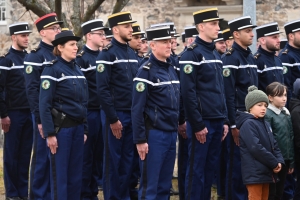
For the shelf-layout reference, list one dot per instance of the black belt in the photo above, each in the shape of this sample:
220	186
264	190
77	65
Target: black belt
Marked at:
69	122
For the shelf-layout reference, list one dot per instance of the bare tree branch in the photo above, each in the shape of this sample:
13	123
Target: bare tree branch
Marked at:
58	9
120	4
50	4
75	18
91	10
36	8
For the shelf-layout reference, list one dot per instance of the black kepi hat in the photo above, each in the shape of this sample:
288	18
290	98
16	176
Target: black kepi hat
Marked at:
92	25
210	14
120	18
283	43
267	29
19	28
47	20
240	23
158	33
183	36
190	31
136	29
170	24
64	37
144	37
227	34
292	26
220	37
108	33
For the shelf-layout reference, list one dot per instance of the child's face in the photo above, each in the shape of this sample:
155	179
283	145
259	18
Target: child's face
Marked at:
259	109
278	101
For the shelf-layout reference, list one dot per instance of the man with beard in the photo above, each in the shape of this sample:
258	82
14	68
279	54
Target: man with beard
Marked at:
269	66
290	56
94	33
48	26
228	38
204	103
239	72
15	115
144	47
220	44
136	41
116	67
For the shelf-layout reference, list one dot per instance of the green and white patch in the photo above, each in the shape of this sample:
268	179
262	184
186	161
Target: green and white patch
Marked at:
285	69
28	69
140	87
226	72
188	69
100	68
45	84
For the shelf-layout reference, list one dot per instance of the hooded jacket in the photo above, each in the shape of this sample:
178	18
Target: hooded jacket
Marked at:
258	149
295	115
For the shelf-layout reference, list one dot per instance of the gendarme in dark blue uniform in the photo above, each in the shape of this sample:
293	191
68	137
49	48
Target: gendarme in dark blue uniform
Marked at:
269	66
14	109
93	148
155	112
63	108
205	109
33	67
116	67
240	72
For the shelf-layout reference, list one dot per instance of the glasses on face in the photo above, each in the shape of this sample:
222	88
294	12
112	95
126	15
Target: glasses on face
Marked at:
100	34
55	29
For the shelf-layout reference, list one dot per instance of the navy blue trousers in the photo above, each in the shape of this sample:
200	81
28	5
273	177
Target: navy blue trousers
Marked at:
222	169
66	164
203	160
157	168
89	190
17	152
235	188
182	162
118	158
40	167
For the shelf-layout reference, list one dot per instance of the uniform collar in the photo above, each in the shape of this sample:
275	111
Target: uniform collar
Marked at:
88	50
208	45
245	52
160	63
267	53
46	46
119	44
278	111
69	64
292	48
15	51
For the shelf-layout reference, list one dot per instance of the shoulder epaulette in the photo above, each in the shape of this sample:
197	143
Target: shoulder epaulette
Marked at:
107	46
35	49
285	51
80	53
192	46
256	55
147	66
229	51
4	54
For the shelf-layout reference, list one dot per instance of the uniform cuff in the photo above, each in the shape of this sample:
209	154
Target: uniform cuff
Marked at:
3	115
113	120
140	141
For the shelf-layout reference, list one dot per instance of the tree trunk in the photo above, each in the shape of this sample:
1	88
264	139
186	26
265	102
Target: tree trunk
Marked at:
36	8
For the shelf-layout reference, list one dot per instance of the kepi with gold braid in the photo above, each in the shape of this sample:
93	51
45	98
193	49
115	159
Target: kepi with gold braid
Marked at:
136	29
227	34
207	15
120	18
46	21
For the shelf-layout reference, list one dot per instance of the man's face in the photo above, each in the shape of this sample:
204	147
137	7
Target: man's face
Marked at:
161	48
107	41
136	42
125	31
49	33
97	37
211	29
174	44
296	39
21	40
229	43
246	36
272	42
144	47
220	46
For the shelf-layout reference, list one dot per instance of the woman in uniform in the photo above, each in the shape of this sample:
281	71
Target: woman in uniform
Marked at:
63	110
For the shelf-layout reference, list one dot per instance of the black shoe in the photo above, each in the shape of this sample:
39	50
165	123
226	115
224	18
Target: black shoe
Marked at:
173	191
12	198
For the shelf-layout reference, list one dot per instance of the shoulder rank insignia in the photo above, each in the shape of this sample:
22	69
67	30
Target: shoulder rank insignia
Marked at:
53	61
147	66
80	53
192	46
285	51
2	56
229	51
35	49
107	46
256	55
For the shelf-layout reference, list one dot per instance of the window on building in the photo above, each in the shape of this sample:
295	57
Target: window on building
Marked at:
2	10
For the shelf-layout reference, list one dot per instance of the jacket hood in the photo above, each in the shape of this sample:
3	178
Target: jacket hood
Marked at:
293	103
241	117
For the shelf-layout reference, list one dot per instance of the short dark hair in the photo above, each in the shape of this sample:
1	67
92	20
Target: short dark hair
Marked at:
276	89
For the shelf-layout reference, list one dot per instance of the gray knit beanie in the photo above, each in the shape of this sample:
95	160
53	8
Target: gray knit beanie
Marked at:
255	96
